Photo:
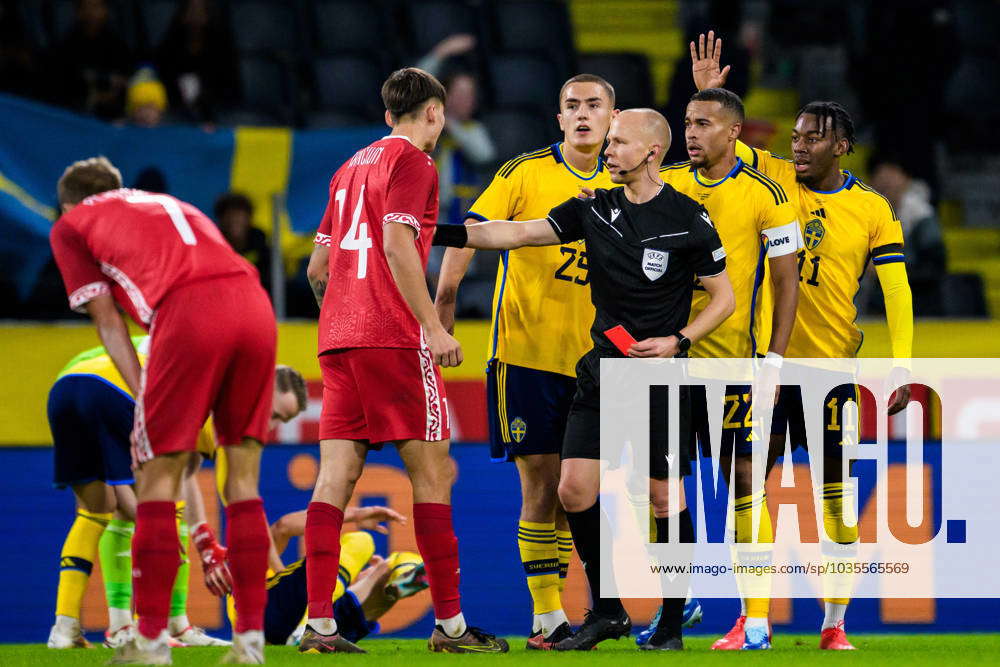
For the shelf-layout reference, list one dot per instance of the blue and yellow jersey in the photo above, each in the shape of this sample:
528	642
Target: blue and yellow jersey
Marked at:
96	363
841	230
754	220
541	305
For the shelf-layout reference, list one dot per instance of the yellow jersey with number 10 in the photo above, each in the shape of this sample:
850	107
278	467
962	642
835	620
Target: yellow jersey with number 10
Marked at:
754	221
541	304
841	230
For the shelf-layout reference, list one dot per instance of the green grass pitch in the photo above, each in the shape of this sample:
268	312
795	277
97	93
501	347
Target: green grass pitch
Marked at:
908	650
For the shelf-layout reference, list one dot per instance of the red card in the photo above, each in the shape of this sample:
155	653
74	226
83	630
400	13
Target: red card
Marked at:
621	338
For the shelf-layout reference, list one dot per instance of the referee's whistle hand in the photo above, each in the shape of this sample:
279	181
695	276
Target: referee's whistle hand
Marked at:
664	347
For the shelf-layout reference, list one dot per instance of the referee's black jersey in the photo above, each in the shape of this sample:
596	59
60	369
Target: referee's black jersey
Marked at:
643	259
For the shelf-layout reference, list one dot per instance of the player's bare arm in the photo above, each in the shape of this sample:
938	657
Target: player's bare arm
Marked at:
705	57
454	266
785	280
408	272
318	272
721	305
114	336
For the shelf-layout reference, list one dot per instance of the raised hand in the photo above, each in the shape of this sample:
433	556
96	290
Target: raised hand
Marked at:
705	69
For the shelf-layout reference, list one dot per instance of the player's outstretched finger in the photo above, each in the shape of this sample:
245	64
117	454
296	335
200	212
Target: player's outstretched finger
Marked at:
694	51
701	46
710	45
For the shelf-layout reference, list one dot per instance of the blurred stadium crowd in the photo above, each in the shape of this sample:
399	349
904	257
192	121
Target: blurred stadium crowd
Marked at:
919	78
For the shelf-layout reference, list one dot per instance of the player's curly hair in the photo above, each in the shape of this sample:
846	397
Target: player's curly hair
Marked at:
840	121
87	177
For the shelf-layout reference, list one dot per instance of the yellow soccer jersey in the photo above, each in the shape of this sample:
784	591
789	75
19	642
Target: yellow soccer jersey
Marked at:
841	230
541	304
755	221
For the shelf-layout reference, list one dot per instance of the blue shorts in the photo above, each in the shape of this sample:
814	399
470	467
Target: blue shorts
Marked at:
287	600
789	417
736	427
90	420
527	410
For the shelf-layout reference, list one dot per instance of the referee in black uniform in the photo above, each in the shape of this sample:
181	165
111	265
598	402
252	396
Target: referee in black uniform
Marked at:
646	244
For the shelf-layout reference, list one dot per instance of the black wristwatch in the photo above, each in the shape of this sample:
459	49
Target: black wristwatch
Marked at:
683	343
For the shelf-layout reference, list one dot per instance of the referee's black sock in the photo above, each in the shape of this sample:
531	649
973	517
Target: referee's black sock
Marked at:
586	529
673	608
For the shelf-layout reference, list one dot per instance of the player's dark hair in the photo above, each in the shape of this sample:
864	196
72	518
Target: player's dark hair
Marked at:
287	378
229	201
407	89
87	177
589	78
836	114
728	99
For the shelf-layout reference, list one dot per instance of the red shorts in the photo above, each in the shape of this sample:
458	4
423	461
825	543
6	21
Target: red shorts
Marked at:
382	395
212	350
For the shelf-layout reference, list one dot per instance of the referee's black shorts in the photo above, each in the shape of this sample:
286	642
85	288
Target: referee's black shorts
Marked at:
583	428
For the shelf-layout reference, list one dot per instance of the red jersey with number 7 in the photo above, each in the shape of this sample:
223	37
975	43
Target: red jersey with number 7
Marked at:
388	182
138	246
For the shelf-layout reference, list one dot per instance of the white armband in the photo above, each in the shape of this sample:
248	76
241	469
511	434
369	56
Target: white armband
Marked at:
783	240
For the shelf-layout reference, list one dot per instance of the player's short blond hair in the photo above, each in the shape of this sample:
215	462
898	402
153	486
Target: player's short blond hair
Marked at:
287	378
88	177
589	78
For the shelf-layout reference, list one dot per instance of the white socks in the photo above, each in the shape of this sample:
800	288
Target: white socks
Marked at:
453	627
324	626
118	619
549	621
833	614
67	624
178	624
756	622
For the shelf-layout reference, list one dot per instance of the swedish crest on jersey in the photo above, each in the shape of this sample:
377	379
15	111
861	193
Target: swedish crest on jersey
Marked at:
654	262
814	233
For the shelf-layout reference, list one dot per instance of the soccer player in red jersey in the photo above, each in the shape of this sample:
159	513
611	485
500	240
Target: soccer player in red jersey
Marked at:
379	343
213	340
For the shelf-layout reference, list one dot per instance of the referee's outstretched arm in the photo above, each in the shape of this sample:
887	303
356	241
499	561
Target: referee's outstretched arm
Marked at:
497	235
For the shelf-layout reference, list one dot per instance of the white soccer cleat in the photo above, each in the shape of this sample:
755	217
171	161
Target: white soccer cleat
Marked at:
118	638
192	636
141	651
66	633
248	649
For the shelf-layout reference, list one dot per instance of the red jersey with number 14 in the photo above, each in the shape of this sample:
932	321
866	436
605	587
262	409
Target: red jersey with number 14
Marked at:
388	182
138	246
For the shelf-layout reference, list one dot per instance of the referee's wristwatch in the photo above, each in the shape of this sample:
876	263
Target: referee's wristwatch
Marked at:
683	343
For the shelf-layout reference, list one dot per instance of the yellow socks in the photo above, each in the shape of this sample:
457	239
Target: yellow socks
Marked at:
839	545
755	585
77	561
540	558
564	541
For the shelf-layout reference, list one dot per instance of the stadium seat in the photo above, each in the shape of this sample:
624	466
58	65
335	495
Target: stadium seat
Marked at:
349	84
628	72
267	88
34	22
325	120
524	81
265	26
535	26
353	26
156	16
515	132
433	20
120	16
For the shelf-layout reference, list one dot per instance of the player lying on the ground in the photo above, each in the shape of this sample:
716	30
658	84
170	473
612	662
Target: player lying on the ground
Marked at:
844	224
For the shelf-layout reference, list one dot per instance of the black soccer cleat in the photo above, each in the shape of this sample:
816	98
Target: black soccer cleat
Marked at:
596	629
661	641
539	642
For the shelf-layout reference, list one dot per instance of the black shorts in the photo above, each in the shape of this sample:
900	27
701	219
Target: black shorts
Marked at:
583	428
286	604
90	420
789	417
527	410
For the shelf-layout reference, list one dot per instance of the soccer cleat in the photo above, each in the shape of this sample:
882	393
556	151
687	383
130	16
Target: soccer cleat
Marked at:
835	639
756	639
407	576
539	642
594	630
314	642
141	651
661	641
692	616
247	649
473	640
118	637
192	636
62	637
734	639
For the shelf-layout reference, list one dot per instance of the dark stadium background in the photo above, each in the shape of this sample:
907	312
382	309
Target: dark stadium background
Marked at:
286	90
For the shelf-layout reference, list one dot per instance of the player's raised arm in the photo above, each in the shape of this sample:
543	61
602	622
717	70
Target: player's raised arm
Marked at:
705	68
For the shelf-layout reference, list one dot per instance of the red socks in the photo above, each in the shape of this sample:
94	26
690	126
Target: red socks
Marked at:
323	524
155	559
439	549
248	542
